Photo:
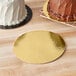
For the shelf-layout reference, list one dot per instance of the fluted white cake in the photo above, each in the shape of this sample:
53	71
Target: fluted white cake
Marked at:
12	12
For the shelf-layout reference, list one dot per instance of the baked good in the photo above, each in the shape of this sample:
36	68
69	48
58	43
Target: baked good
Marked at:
12	12
61	10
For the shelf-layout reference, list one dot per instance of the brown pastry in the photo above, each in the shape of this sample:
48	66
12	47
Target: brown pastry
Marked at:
61	10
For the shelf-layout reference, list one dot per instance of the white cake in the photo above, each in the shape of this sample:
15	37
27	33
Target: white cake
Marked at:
12	12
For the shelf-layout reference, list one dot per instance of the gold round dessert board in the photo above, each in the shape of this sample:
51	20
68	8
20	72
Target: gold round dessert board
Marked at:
39	47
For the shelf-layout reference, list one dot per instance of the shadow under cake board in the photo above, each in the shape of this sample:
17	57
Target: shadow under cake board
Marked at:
71	24
25	21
